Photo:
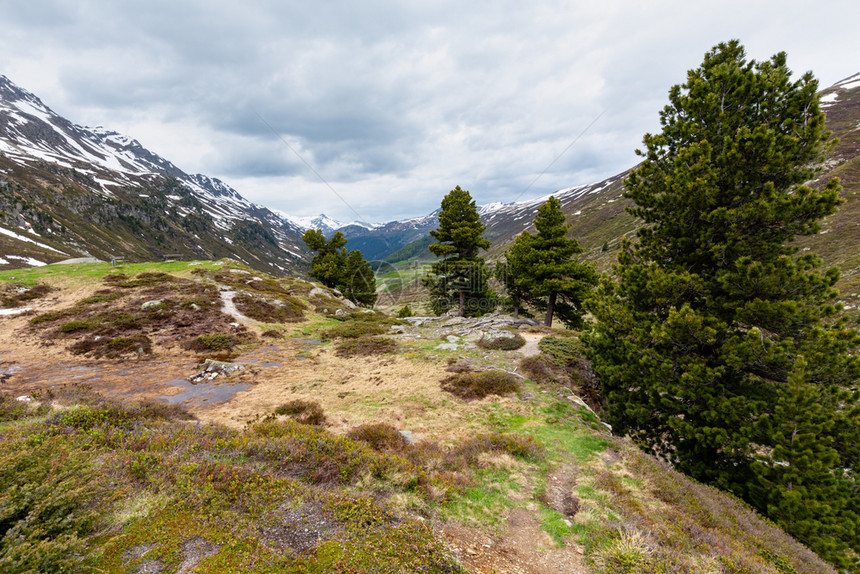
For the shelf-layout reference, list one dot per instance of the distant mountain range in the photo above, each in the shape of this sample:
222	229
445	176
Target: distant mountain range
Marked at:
69	191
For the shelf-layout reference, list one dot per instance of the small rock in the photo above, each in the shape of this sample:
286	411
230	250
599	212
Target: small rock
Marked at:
452	339
446	347
407	437
156	304
340	313
212	369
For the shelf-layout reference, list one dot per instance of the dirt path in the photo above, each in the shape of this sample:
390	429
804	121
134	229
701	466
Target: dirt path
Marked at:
229	308
530	349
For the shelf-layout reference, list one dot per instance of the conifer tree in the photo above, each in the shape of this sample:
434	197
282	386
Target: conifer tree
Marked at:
696	343
461	277
359	283
328	263
800	482
543	267
337	268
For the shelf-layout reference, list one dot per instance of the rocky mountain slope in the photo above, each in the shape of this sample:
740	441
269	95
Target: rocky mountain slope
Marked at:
68	191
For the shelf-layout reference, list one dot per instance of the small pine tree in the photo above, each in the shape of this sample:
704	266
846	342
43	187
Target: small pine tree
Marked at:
359	281
405	311
330	260
542	267
460	279
337	268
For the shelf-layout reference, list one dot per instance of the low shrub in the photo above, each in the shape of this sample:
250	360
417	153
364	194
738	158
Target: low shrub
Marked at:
86	417
471	385
46	510
543	370
405	311
320	457
11	409
566	351
365	346
272	334
212	342
101	296
78	325
353	330
283	309
305	412
112	347
381	437
140	280
13	294
139	344
519	446
52	316
502	343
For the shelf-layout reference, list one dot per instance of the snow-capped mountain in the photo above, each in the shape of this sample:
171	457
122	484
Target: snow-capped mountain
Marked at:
62	171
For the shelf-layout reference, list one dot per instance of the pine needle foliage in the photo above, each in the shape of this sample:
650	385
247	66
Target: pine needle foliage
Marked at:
337	268
697	345
459	280
542	268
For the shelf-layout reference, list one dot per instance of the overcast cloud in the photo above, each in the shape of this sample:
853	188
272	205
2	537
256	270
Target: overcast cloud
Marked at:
395	103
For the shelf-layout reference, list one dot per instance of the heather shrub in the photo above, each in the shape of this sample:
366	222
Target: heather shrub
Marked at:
283	309
212	342
477	385
381	437
353	330
365	347
524	447
502	343
305	412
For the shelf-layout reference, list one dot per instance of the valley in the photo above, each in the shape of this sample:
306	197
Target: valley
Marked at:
176	395
528	480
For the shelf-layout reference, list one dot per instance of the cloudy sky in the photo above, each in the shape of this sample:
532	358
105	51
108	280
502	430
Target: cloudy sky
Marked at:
373	110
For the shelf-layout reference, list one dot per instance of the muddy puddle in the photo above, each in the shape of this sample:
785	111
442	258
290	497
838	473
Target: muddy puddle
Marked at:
202	393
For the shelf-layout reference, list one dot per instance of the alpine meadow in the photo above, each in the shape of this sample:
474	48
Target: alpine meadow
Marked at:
655	373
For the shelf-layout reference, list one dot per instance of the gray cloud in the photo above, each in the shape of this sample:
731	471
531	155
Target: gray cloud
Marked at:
392	103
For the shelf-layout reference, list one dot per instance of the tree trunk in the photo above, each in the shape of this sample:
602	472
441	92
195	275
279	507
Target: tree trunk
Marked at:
462	312
516	301
550	309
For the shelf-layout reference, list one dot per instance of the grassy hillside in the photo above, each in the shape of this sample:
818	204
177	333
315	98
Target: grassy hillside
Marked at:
294	462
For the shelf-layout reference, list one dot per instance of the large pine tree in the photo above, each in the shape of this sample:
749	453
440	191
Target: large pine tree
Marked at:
696	343
542	267
460	278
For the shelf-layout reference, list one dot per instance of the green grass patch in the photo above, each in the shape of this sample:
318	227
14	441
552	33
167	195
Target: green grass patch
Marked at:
486	501
92	272
556	525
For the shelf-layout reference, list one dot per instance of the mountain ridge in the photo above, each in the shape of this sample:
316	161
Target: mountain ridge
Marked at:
111	166
52	169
